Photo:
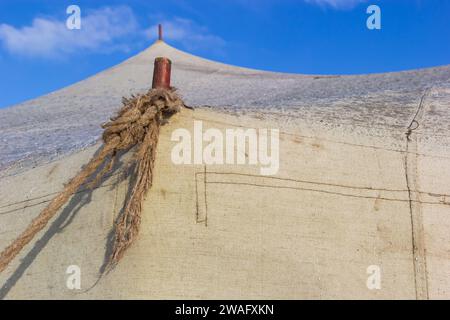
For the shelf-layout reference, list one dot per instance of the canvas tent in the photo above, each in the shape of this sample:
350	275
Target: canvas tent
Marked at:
362	186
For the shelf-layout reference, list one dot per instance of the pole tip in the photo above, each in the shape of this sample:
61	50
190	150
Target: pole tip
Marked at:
160	32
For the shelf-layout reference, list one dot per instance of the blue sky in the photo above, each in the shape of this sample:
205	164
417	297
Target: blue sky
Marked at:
38	54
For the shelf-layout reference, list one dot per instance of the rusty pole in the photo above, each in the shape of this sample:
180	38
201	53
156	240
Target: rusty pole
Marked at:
160	32
161	73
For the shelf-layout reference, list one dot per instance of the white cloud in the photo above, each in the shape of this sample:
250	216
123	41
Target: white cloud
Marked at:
337	4
188	34
264	5
105	29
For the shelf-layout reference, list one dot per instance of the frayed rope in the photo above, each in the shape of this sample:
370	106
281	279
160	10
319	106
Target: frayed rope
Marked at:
137	124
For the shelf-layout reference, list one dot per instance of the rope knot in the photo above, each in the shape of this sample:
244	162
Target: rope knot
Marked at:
137	123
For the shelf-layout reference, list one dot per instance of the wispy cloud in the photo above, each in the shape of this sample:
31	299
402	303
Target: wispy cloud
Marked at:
337	4
104	29
188	34
264	5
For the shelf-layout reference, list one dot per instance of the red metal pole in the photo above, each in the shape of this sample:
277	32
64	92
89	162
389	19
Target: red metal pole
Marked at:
161	73
160	32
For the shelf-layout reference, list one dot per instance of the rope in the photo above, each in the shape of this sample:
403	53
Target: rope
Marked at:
136	124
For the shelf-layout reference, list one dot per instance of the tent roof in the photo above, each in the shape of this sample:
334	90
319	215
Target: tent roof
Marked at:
68	119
